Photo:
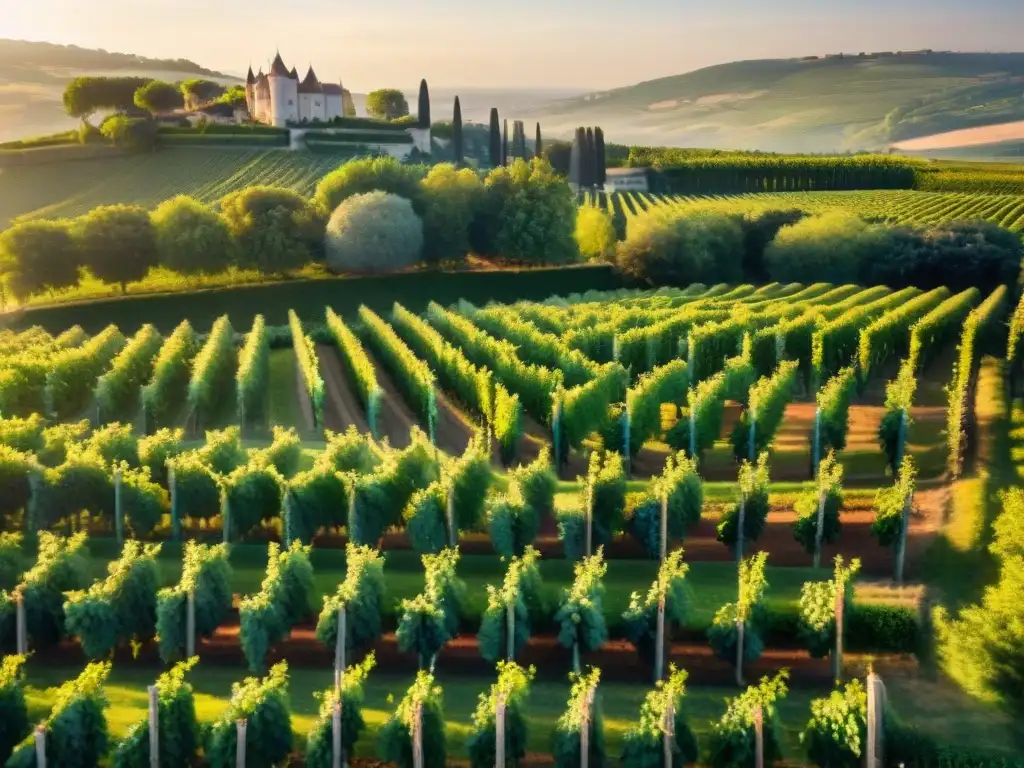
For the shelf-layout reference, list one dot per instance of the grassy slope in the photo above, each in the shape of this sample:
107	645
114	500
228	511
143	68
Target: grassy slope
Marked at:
206	173
941	709
793	105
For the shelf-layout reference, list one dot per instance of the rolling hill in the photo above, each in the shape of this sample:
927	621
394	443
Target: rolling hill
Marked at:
33	76
812	105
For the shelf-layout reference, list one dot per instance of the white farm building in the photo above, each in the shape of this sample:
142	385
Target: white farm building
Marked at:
279	98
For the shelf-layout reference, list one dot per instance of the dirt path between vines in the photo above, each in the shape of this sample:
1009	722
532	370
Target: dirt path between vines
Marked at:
395	420
342	408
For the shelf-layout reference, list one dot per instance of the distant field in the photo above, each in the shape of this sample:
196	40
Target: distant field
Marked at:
70	189
968	137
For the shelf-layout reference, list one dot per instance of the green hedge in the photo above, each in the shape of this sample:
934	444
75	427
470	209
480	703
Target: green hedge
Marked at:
363	137
364	123
221	129
309	297
232	139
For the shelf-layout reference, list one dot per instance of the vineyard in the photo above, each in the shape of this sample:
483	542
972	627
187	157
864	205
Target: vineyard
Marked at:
894	206
205	173
592	492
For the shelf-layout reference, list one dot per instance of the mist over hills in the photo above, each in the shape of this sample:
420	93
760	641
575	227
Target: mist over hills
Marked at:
811	104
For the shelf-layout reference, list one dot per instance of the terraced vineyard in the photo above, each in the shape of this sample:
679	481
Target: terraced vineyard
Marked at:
770	428
206	173
896	206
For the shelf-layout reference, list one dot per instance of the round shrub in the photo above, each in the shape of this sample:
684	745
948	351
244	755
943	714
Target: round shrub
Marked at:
375	232
117	243
379	174
694	247
832	247
191	238
38	256
595	234
277	230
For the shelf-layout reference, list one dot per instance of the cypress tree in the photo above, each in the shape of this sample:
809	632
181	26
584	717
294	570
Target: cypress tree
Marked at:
495	139
602	167
590	170
457	133
538	147
519	139
576	159
504	144
424	107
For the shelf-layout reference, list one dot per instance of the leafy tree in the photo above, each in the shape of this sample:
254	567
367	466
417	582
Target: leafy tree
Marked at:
537	219
277	230
580	617
361	595
583	710
179	735
495	139
84	96
733	739
836	734
117	243
827	499
432	618
595	234
644	743
423	110
387	103
38	256
892	507
136	134
198	91
158	97
373	232
349	699
14	724
451	198
641	617
559	155
458	151
751	510
263	703
682	249
511	604
396	737
358	177
747	612
818	601
191	238
510	692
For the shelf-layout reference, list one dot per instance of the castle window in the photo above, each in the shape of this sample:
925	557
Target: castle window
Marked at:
316	103
291	103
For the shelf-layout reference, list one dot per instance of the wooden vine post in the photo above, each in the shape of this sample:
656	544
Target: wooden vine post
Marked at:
286	513
901	545
659	640
154	727
417	736
816	444
588	703
172	483
339	648
741	611
40	739
510	630
664	525
499	732
741	524
20	628
693	431
752	438
118	508
589	513
758	737
449	510
840	609
668	731
337	758
225	515
875	752
190	624
240	728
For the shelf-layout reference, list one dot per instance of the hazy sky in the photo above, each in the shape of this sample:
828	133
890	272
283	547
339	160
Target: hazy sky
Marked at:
557	43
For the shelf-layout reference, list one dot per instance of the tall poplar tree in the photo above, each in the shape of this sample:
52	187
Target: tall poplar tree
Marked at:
424	106
538	147
457	133
504	143
601	174
589	164
495	138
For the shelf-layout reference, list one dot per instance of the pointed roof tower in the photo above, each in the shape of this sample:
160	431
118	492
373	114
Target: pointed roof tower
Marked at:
294	74
278	69
250	78
310	84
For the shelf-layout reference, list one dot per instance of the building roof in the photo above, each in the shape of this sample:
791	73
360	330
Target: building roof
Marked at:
331	89
310	84
278	69
219	109
625	172
294	74
250	78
